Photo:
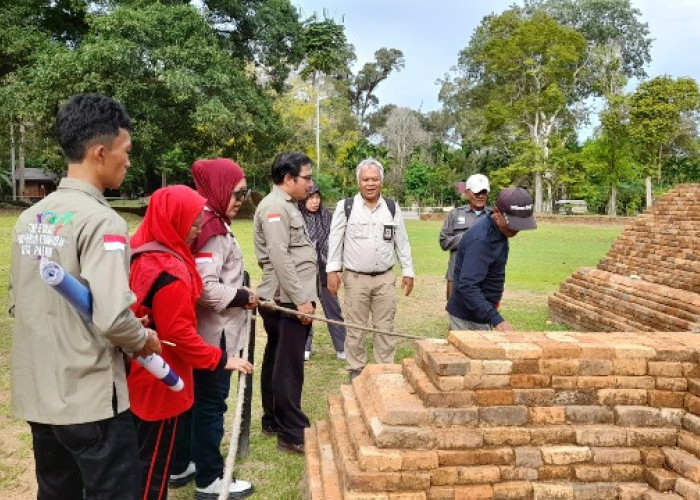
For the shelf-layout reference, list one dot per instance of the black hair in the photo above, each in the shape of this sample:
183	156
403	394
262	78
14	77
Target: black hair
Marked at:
287	163
85	118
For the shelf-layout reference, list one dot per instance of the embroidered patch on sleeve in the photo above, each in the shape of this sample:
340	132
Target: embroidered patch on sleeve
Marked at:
274	217
114	242
204	258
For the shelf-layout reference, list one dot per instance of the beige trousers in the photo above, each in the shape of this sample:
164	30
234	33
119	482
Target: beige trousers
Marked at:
364	296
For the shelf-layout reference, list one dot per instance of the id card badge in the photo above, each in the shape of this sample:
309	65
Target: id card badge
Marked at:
388	232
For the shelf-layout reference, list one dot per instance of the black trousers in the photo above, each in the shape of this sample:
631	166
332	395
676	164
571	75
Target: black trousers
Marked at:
282	374
94	460
156	442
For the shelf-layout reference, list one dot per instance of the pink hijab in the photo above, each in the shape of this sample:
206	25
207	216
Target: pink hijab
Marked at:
215	180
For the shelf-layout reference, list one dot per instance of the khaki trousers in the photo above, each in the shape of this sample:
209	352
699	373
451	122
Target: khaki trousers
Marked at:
364	296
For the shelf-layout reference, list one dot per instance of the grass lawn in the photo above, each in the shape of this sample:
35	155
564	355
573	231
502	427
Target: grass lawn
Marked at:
539	261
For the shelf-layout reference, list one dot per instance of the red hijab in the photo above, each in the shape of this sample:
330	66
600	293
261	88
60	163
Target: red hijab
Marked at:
215	180
170	214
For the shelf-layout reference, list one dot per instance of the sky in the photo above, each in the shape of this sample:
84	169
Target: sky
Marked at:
432	32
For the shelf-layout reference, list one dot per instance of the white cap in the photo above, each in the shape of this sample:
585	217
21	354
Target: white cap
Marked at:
477	183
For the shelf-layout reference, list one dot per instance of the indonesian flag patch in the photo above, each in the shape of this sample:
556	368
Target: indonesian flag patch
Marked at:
114	242
274	217
204	258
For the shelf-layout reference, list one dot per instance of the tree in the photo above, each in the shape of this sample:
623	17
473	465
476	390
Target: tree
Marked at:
401	135
362	86
524	74
663	111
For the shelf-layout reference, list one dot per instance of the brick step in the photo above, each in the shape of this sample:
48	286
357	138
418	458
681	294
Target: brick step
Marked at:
383	472
626	306
313	484
329	470
587	317
430	395
393	397
689	442
667	317
683	463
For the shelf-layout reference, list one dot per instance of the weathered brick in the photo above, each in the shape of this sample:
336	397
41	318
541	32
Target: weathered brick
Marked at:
561	382
653	457
694	386
665	369
661	479
454	438
689	442
590	382
688	489
506	436
596	367
666	399
595	435
503	415
552	491
529	380
691	423
565	455
444	417
631	382
510	473
560	366
494	397
486	381
589	414
512	490
637	416
616	456
644	436
525	366
493	456
552	434
595	491
478	492
546	415
632	491
683	463
419	459
692	404
497	367
448	493
614	397
574	397
671	384
528	457
479	474
629	366
555	472
533	397
627	472
593	473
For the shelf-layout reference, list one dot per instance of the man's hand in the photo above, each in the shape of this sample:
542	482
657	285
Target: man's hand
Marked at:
407	285
252	299
504	326
333	284
238	364
306	308
151	346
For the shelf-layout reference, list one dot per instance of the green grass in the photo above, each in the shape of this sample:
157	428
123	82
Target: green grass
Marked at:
539	261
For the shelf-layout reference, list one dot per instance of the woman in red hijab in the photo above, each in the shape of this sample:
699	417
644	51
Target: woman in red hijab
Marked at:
167	286
221	322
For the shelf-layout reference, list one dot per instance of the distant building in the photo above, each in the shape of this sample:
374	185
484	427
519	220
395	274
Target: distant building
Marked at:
37	183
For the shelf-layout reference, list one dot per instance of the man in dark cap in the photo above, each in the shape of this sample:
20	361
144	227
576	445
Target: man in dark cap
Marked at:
480	265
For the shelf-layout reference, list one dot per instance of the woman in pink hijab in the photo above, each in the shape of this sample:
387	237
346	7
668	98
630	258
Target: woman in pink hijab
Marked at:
221	322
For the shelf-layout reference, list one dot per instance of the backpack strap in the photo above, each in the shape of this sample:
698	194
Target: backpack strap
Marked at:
153	246
390	204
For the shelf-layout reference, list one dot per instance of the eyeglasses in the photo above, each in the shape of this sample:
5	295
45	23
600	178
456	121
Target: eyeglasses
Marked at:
307	178
241	194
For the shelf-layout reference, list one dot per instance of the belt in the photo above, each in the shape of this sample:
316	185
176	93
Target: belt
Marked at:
370	274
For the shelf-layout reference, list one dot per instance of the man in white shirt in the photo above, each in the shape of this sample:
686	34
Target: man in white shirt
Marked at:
366	238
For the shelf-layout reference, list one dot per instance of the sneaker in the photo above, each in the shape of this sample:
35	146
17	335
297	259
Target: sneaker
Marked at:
307	355
180	480
238	489
340	354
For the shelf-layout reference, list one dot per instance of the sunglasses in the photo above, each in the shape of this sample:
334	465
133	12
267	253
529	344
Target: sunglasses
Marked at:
241	194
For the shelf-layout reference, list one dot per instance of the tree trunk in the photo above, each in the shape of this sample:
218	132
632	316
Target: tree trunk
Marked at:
647	182
13	162
22	160
318	123
538	192
612	202
163	178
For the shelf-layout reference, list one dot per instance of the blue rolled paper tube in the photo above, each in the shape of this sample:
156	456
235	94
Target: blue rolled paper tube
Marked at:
77	294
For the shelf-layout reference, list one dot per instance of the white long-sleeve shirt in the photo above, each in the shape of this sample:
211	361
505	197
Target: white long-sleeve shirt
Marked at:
370	242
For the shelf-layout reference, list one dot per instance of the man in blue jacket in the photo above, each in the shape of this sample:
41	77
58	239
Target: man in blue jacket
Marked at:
480	266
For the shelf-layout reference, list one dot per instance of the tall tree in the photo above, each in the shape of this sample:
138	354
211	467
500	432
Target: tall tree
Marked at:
662	112
524	73
362	86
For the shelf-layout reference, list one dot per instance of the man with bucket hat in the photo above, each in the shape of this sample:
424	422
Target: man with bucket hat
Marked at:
480	264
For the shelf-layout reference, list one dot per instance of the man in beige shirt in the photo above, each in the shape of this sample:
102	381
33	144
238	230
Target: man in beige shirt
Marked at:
68	375
365	246
288	262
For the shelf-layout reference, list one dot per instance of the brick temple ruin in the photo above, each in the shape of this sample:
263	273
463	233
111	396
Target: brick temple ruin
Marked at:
611	412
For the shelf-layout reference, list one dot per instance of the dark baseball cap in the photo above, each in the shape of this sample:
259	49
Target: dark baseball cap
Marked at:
516	204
